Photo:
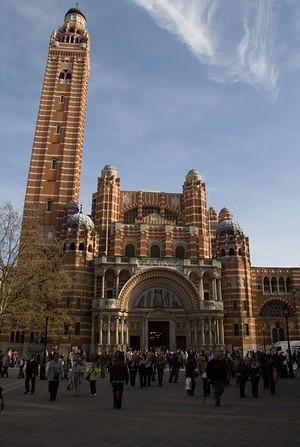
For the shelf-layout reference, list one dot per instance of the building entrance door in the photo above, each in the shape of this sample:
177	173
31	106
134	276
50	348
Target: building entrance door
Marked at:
159	334
135	342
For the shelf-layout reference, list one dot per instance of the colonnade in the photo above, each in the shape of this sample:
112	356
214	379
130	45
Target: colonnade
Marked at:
216	288
201	333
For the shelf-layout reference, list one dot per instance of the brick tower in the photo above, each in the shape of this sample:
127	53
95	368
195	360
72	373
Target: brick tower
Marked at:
54	172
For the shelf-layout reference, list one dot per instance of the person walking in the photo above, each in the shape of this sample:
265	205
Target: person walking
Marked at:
31	373
254	373
242	373
160	367
54	374
216	374
118	376
190	373
77	374
92	378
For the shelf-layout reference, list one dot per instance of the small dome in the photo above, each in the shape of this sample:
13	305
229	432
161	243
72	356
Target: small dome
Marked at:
225	214
74	11
193	176
228	226
71	207
109	170
80	221
212	214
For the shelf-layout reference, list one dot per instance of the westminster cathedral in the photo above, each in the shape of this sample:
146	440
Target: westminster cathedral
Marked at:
149	269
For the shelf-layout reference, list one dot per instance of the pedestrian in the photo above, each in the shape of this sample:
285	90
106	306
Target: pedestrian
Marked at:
1	400
242	374
254	373
31	373
272	372
216	373
142	371
174	364
118	376
54	374
190	372
133	369
92	378
78	371
160	367
5	365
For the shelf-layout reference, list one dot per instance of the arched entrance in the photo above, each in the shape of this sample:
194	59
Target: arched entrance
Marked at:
162	308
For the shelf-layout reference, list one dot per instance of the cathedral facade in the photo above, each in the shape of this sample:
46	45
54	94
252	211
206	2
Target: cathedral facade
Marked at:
149	268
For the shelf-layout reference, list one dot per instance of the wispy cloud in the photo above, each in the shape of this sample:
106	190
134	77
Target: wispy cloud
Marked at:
235	39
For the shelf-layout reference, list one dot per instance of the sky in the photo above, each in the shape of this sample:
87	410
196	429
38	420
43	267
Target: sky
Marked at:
175	85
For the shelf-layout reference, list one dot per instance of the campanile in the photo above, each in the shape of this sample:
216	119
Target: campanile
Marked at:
55	166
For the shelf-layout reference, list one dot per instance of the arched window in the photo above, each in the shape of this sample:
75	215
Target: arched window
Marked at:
180	252
155	251
274	285
17	338
64	77
72	246
90	248
22	337
266	285
281	285
231	252
240	252
223	252
277	333
12	337
81	246
130	251
288	284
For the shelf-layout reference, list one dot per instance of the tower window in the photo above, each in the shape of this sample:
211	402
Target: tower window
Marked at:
49	205
236	330
64	77
180	252
246	329
54	163
62	99
130	251
77	328
155	251
57	129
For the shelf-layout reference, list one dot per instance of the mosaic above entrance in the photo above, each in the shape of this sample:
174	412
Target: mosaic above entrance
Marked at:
158	298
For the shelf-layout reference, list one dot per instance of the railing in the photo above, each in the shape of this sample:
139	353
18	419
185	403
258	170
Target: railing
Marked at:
105	303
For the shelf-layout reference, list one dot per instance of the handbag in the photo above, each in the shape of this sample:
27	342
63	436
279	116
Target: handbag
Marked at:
188	383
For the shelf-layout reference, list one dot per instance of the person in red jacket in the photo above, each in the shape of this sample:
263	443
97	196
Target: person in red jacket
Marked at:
118	376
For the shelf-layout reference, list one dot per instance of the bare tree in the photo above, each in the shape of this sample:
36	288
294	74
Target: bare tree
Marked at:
32	277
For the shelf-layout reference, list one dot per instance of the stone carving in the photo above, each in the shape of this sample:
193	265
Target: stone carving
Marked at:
158	298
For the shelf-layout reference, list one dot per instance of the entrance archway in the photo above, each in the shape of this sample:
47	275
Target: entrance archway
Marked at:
159	334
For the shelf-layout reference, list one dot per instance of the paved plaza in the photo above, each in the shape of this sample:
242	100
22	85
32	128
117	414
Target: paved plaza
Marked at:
153	416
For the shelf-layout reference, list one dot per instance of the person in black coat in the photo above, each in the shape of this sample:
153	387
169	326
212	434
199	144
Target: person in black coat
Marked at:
254	373
118	376
31	373
242	373
190	371
216	374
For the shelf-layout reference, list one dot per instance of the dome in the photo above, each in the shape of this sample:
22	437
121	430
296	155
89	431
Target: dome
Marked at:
212	214
80	221
193	176
228	226
109	170
225	214
74	11
71	207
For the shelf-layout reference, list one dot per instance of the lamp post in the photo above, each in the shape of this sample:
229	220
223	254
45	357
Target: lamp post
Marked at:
290	362
264	339
43	364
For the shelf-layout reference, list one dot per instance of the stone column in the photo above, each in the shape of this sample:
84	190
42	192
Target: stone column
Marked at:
202	333
222	331
214	289
218	331
270	285
277	281
196	333
101	332
127	333
201	291
108	331
117	283
117	331
172	335
122	331
219	290
95	285
209	333
103	285
285	287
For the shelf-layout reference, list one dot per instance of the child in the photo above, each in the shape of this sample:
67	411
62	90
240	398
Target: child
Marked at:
92	378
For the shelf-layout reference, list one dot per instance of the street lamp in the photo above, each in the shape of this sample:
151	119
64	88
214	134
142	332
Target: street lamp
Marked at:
290	362
264	338
43	364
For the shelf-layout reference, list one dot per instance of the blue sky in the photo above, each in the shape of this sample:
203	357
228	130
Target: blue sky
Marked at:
207	84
